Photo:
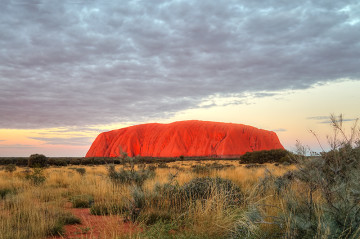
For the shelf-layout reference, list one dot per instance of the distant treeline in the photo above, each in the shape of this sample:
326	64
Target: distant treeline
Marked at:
64	161
264	156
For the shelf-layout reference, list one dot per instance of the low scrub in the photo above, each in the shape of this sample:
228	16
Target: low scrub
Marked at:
130	176
204	188
36	176
267	156
82	201
107	209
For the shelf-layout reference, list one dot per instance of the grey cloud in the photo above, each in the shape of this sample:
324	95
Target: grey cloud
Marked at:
330	122
318	117
80	63
65	141
326	119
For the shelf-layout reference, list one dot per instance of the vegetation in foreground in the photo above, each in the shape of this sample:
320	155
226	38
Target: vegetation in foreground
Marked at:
317	197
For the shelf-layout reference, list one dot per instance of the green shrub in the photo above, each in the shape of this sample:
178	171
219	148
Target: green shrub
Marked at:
202	188
200	169
82	201
10	168
267	156
129	176
56	230
334	176
151	167
81	171
163	165
107	209
153	217
65	218
6	191
37	161
36	176
69	219
218	166
253	165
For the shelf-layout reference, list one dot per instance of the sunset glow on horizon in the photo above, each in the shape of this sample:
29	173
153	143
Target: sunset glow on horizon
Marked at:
71	71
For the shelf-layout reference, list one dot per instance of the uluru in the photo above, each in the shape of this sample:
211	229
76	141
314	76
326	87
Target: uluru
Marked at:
186	138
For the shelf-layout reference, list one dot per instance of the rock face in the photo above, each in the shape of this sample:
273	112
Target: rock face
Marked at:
187	138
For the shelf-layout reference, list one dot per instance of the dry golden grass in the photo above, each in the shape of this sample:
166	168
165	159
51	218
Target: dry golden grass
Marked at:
31	211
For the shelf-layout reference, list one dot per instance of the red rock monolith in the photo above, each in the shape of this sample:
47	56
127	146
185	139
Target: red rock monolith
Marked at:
187	138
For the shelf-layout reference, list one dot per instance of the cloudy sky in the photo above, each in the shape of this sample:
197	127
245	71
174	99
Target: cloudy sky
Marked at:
73	68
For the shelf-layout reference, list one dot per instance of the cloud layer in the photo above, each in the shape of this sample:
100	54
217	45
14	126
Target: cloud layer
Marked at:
77	63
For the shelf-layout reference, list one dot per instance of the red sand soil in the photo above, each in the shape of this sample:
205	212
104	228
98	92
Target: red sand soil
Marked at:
187	138
96	226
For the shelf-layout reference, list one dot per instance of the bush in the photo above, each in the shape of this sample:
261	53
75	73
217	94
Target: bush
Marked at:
163	165
153	217
10	168
69	219
82	201
107	209
6	191
252	165
334	176
36	176
202	188
37	161
129	176
267	156
63	219
137	203
200	169
151	167
81	171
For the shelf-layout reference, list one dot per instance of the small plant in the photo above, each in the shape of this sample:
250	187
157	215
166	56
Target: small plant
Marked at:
36	176
10	168
107	209
253	165
163	165
56	230
6	191
82	201
151	167
37	161
136	204
201	188
129	176
153	217
69	219
200	169
63	219
81	171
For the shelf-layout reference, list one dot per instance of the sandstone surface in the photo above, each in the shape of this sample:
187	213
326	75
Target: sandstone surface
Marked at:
187	138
